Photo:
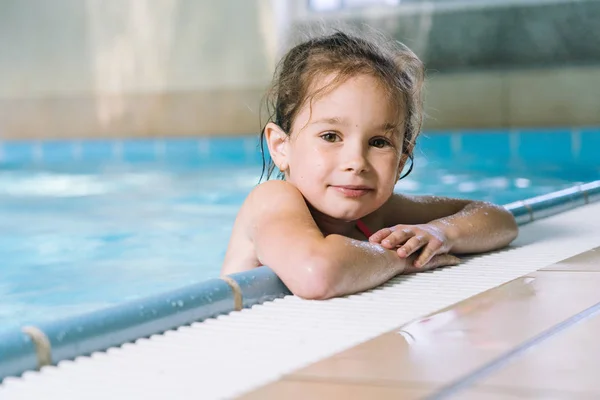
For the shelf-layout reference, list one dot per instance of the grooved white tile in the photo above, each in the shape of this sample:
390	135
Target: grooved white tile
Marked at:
232	354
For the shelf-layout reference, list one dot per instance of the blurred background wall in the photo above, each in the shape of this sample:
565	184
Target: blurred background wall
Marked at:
130	68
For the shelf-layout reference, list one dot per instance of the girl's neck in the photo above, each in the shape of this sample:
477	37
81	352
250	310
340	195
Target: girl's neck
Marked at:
329	225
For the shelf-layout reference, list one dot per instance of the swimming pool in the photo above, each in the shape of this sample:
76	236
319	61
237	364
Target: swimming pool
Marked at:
85	225
89	224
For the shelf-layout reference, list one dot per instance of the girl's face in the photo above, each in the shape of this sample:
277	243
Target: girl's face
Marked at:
344	151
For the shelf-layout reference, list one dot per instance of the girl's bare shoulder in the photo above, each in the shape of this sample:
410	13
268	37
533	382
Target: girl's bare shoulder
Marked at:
269	199
272	209
273	195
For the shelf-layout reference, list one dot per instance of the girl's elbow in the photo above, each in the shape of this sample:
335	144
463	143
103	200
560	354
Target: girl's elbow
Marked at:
315	280
509	230
506	222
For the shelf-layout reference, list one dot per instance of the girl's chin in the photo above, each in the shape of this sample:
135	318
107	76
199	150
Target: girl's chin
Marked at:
342	215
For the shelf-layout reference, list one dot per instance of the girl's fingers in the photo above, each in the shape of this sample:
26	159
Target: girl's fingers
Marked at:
397	238
413	244
441	260
428	252
381	234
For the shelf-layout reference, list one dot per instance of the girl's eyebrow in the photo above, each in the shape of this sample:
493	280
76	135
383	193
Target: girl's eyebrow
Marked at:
386	126
330	121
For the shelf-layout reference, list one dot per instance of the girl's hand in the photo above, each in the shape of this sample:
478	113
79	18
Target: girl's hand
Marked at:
407	239
441	260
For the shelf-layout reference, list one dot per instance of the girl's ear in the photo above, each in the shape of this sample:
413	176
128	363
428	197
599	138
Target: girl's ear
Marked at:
277	141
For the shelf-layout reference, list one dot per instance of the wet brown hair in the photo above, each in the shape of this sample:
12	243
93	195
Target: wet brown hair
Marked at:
399	70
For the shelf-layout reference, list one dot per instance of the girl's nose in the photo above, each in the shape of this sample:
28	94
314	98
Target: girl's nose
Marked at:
354	159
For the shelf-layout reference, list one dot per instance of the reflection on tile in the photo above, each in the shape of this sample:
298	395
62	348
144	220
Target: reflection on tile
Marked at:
588	261
302	390
568	361
468	335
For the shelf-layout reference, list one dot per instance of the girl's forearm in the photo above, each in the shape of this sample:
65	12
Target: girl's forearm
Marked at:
354	266
478	227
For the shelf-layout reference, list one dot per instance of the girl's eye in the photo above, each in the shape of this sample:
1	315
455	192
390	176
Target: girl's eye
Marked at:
329	137
380	142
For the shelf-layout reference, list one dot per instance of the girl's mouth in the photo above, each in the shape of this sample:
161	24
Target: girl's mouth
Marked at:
352	191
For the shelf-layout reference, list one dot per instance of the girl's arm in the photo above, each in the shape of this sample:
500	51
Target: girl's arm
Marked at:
440	225
312	266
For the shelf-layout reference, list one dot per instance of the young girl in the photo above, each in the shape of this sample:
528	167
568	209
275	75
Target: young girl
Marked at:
347	112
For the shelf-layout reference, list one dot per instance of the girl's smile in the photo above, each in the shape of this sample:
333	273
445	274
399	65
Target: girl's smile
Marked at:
353	191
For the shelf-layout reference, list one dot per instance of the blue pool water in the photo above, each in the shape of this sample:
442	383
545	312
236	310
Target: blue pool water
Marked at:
84	226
